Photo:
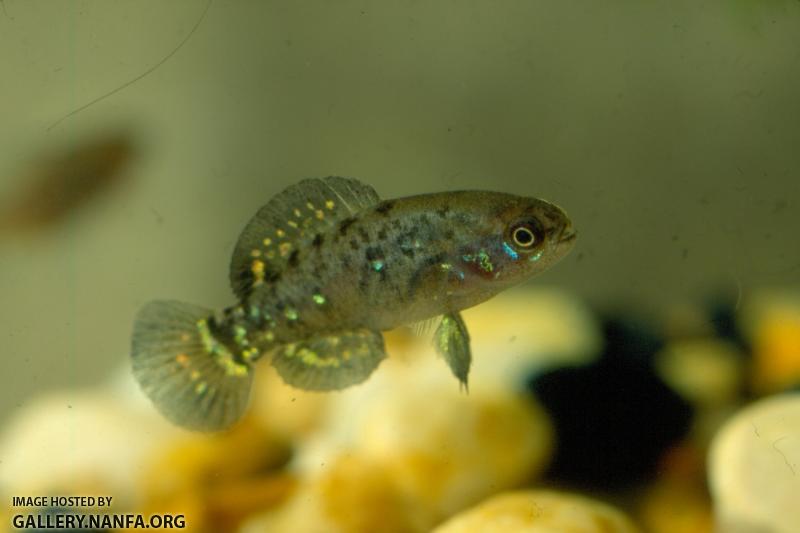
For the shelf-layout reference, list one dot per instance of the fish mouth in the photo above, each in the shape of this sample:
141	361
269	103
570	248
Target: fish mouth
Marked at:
567	235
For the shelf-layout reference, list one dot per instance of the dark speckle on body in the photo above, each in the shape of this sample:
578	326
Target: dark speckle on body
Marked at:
385	207
432	260
374	252
422	269
345	224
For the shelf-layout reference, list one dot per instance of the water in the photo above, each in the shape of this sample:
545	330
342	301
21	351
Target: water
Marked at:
668	132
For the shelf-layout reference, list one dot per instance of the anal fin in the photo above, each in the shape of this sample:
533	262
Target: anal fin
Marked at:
452	342
330	362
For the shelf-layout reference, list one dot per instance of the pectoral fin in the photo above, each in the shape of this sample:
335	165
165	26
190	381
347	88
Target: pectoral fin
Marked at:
424	327
452	342
330	362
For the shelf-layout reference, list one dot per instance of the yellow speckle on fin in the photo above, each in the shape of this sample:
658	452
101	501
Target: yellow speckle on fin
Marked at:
257	268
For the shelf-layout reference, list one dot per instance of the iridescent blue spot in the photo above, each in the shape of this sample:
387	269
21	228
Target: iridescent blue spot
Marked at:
510	251
377	265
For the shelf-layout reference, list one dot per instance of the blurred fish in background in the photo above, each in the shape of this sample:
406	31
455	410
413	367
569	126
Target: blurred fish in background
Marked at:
59	183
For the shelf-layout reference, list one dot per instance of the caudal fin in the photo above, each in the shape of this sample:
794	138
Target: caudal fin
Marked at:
191	378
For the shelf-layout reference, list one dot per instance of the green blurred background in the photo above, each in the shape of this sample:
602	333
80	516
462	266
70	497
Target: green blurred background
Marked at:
670	131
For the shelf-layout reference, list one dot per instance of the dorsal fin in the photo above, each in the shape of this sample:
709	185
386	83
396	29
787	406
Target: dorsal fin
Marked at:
289	221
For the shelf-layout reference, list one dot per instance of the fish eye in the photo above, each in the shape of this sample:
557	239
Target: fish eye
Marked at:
527	235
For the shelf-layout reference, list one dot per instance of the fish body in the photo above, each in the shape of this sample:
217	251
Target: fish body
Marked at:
321	270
